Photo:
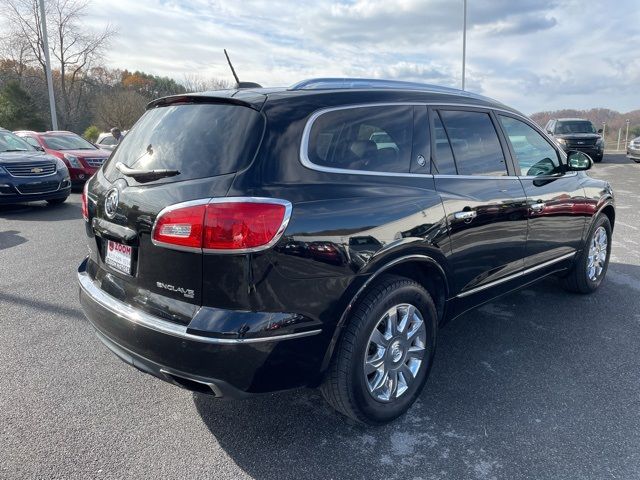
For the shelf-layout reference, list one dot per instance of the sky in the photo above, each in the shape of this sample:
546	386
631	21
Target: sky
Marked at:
533	55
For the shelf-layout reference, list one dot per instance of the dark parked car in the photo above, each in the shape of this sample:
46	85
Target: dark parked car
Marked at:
28	174
633	150
577	134
253	240
81	157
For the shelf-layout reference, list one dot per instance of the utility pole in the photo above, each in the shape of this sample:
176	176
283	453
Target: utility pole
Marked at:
619	133
464	38
626	136
604	131
45	44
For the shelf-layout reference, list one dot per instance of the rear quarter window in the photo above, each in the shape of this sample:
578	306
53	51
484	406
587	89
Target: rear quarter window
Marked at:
376	139
198	140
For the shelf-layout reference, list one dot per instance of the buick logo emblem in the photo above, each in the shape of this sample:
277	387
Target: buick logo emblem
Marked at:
111	202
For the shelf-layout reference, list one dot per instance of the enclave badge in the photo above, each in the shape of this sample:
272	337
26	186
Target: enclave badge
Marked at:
111	202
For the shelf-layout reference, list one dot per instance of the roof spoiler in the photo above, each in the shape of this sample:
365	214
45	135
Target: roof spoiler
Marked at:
178	99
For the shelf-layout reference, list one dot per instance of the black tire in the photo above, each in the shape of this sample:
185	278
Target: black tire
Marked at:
345	384
597	159
56	201
577	280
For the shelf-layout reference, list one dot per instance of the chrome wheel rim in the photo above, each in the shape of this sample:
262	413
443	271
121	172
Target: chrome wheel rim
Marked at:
395	352
597	259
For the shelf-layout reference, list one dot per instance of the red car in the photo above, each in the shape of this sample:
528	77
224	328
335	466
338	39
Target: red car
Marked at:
82	158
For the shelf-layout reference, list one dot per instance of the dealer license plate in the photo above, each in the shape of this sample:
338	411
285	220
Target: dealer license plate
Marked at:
118	256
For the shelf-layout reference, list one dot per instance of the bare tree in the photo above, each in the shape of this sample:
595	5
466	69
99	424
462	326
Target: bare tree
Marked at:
120	108
74	49
198	83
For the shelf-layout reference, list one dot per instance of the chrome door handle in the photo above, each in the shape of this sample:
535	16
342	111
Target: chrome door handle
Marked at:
465	215
537	207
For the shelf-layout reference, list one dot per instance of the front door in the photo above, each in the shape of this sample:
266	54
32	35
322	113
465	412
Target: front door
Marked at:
484	201
555	198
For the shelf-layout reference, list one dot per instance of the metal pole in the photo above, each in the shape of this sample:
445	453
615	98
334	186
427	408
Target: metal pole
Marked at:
626	136
464	38
619	133
604	131
45	42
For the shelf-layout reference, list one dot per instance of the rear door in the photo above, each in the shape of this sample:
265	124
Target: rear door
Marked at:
555	198
206	143
483	199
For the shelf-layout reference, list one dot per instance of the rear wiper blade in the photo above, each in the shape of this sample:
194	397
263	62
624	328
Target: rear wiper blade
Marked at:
143	176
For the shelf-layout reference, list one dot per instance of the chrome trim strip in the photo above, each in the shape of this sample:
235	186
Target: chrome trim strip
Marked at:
288	208
513	276
304	144
38	193
157	324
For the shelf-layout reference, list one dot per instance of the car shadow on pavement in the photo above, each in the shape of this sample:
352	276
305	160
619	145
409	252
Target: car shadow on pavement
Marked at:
616	158
537	384
41	211
40	305
11	238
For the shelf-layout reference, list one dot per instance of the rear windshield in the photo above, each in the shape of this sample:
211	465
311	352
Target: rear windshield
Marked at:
198	140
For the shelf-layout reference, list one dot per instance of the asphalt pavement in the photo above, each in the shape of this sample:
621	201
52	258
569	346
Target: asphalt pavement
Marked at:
539	384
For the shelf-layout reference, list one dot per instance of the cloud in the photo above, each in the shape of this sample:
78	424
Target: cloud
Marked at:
530	54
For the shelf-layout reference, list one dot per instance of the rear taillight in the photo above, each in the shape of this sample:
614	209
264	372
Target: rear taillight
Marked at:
229	225
85	207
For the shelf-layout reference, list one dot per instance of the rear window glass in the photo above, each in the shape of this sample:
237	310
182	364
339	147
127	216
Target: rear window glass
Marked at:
475	143
198	140
377	139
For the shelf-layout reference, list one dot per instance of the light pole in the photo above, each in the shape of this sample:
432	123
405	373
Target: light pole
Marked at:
604	131
464	38
45	44
626	136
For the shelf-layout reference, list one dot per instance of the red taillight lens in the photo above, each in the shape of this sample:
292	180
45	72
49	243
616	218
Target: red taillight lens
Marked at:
85	207
241	225
227	225
181	227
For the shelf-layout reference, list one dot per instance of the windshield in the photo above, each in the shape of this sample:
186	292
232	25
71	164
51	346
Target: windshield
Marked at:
12	143
579	126
198	140
66	142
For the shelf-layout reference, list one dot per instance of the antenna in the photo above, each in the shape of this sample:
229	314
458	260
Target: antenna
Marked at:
231	66
240	84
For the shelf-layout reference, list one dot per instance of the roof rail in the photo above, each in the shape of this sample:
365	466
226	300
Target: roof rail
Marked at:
367	83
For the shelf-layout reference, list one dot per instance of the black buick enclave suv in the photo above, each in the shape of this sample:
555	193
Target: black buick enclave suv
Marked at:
247	241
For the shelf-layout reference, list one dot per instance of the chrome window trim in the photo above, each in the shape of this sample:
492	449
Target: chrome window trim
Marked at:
288	208
306	133
144	319
513	276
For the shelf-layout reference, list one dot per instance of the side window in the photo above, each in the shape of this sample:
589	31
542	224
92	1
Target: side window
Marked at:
377	139
533	153
443	156
475	143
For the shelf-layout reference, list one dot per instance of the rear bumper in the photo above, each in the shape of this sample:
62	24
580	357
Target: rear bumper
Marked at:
206	361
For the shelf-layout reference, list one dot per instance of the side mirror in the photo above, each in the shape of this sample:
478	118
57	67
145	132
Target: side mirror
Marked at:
549	132
599	130
578	161
38	147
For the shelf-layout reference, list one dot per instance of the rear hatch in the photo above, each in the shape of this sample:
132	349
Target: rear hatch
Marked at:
203	142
